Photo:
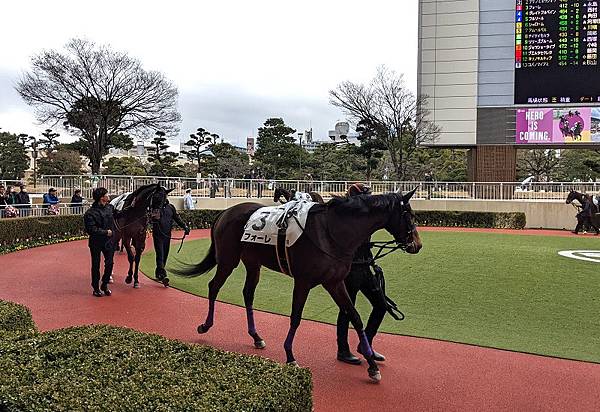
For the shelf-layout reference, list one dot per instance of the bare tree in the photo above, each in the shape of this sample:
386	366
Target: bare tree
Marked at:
100	93
540	163
393	110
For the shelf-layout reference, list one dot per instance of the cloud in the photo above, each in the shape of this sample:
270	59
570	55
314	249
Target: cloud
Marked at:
235	114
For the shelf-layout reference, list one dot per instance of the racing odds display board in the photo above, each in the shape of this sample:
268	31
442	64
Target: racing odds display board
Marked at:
556	60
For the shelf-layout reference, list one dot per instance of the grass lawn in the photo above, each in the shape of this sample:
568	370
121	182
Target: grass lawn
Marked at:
503	291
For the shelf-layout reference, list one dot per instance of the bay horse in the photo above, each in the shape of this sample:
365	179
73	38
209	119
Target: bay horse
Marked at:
289	195
132	223
321	256
587	213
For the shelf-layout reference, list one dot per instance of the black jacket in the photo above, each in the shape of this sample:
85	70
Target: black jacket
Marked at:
76	200
163	227
363	255
23	199
98	220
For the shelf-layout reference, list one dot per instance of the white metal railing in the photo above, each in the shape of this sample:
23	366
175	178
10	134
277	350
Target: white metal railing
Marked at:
38	210
262	188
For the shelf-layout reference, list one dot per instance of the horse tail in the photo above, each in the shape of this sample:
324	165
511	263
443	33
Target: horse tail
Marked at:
209	261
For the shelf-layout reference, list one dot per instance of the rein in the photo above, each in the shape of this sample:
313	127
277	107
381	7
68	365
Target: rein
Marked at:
173	238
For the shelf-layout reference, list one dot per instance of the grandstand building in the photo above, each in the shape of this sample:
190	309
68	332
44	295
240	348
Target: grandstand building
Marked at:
506	74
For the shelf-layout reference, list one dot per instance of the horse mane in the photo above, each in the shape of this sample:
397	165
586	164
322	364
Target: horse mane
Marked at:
140	192
364	203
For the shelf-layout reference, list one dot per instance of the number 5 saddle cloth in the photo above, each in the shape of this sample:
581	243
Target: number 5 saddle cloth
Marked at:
267	223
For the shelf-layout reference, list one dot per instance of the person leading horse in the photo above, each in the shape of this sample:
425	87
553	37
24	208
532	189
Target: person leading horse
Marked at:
588	210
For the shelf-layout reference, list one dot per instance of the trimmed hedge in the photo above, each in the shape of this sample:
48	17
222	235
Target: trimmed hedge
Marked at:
110	368
15	318
490	220
22	233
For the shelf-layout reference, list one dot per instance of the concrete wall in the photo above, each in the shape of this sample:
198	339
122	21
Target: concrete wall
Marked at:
547	215
448	69
496	53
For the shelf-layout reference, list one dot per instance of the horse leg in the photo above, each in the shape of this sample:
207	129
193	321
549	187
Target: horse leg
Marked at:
130	259
252	277
298	301
214	286
340	296
139	249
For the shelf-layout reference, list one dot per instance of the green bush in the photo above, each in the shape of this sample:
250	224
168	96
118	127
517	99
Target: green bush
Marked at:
23	233
15	318
492	220
110	368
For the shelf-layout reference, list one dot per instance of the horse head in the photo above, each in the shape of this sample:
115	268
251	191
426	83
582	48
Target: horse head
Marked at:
158	200
573	195
402	224
280	191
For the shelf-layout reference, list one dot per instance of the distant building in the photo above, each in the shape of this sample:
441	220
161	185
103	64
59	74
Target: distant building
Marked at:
250	146
342	134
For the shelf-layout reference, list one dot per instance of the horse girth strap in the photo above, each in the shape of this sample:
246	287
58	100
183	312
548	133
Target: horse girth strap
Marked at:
281	252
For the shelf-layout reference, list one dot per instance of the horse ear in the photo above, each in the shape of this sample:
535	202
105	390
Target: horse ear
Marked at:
406	197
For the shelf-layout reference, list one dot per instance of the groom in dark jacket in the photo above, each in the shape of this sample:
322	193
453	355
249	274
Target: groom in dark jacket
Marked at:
162	224
100	225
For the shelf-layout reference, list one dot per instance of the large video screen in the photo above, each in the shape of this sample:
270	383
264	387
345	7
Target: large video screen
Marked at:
556	60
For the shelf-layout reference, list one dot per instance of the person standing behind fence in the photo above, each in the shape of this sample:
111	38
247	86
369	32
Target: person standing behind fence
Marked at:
77	202
99	224
51	201
188	200
23	201
2	200
11	196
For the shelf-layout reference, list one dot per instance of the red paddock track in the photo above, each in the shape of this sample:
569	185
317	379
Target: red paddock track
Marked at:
421	374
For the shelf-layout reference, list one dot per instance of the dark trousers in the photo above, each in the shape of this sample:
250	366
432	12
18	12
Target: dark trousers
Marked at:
108	252
162	245
361	279
583	219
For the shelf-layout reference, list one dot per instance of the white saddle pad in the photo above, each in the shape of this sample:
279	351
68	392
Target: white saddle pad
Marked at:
302	196
119	201
263	225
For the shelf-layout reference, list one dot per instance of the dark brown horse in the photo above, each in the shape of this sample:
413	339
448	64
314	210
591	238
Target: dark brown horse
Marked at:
321	256
289	195
132	224
588	213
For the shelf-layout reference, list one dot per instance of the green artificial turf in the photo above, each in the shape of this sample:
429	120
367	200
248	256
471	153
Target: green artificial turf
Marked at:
503	291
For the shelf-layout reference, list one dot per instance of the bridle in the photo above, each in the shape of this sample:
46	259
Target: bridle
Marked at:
385	248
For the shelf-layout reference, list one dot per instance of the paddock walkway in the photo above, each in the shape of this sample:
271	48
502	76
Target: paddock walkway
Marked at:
421	374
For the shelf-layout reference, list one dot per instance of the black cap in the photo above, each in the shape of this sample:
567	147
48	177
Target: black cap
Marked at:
98	193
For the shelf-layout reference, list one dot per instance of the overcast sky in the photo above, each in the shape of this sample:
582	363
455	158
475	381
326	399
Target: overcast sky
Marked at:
235	62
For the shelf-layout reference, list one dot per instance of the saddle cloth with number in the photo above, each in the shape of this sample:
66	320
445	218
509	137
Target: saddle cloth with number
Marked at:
264	224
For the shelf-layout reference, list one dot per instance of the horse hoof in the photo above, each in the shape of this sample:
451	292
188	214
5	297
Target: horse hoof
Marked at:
293	363
260	344
202	329
128	279
375	376
136	285
165	282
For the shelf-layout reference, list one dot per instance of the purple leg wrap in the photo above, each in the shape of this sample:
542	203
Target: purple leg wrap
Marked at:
251	326
364	345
